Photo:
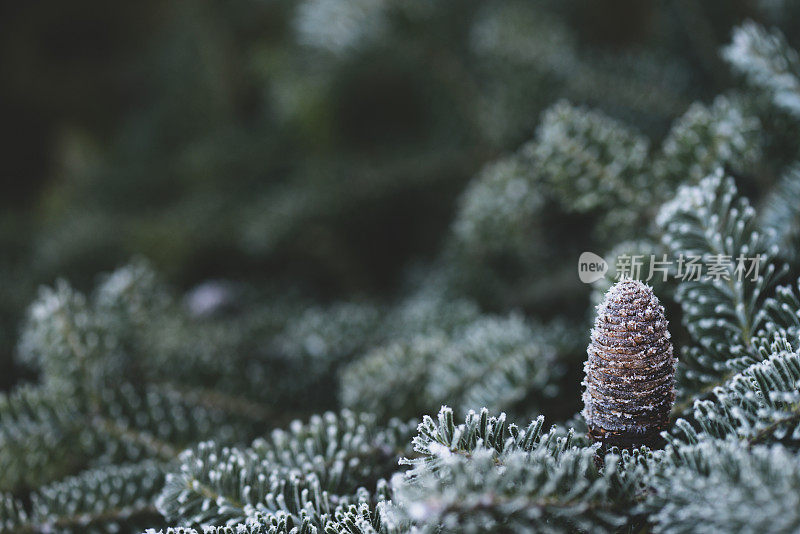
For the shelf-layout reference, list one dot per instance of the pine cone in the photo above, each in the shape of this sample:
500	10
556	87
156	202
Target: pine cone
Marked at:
630	372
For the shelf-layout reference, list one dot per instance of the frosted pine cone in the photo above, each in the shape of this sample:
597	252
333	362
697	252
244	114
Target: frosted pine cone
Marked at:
630	372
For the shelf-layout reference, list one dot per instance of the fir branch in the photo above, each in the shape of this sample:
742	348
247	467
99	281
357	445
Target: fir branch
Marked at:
780	314
391	380
496	362
62	340
493	361
104	496
485	474
766	60
212	399
529	493
709	222
37	427
759	404
499	209
706	137
309	469
590	160
360	518
321	337
780	215
720	486
429	310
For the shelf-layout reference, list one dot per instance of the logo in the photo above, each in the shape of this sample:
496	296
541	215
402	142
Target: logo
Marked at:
591	268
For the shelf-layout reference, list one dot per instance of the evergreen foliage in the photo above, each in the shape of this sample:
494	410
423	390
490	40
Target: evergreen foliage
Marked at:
781	215
716	486
97	500
250	407
704	138
768	62
590	160
780	314
709	222
758	404
314	473
488	474
493	362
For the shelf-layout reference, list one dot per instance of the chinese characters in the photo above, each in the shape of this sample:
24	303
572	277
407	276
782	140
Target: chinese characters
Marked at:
688	267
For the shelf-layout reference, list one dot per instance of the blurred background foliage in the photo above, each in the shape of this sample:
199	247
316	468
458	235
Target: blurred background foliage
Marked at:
320	148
